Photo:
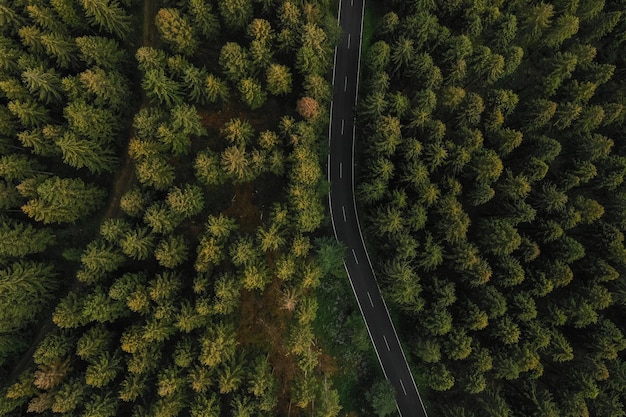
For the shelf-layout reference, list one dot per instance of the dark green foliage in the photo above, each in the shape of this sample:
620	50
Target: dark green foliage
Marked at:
150	304
493	182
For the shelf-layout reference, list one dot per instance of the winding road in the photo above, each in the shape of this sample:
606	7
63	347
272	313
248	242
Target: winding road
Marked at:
341	136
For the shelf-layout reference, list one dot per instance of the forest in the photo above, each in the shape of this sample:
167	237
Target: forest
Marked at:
165	247
492	184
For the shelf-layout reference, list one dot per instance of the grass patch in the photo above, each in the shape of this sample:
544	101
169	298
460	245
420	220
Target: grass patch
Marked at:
342	335
370	22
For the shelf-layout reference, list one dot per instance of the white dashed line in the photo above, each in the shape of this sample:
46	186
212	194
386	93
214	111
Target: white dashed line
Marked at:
349	37
386	343
355	258
345	84
334	65
343	123
343	211
340	170
370	297
403	389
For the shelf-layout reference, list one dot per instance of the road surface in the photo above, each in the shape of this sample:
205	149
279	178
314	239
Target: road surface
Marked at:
346	226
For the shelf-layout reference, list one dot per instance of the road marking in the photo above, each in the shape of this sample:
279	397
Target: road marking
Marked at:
403	389
370	297
343	210
334	65
386	343
351	2
340	169
349	37
345	84
355	258
343	122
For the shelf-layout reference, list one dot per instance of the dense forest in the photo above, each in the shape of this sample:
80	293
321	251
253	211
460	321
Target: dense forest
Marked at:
167	248
493	187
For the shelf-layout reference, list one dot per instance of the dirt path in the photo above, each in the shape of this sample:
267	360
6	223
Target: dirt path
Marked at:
125	175
123	180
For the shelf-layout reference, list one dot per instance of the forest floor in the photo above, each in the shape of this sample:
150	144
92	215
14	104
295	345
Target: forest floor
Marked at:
122	182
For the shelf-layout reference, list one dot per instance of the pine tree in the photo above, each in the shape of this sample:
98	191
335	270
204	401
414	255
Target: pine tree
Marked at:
80	153
234	61
45	83
236	13
29	113
176	30
161	88
63	200
62	48
187	201
137	243
171	252
108	15
203	18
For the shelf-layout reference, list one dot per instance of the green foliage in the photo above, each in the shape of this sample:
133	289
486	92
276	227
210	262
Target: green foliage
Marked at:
108	15
381	397
59	200
176	30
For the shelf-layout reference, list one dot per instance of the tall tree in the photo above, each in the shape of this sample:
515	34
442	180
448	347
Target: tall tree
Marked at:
176	30
108	15
63	200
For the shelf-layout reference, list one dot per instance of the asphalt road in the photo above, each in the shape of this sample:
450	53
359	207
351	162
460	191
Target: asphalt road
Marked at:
344	216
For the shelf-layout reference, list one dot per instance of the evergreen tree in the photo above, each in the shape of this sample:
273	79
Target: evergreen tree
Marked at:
63	200
108	15
177	30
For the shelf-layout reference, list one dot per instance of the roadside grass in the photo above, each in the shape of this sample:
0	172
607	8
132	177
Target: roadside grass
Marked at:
370	22
343	336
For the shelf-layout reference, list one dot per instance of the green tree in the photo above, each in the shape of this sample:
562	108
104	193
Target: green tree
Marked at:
61	47
563	28
279	79
176	30
194	80
381	397
187	201
68	312
234	61
101	405
171	251
103	370
95	123
252	93
79	152
206	405
29	113
160	87
108	15
216	89
101	51
19	239
97	259
217	345
236	13
69	396
137	243
439	377
63	200
110	88
156	172
203	18
235	163
45	83
25	286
